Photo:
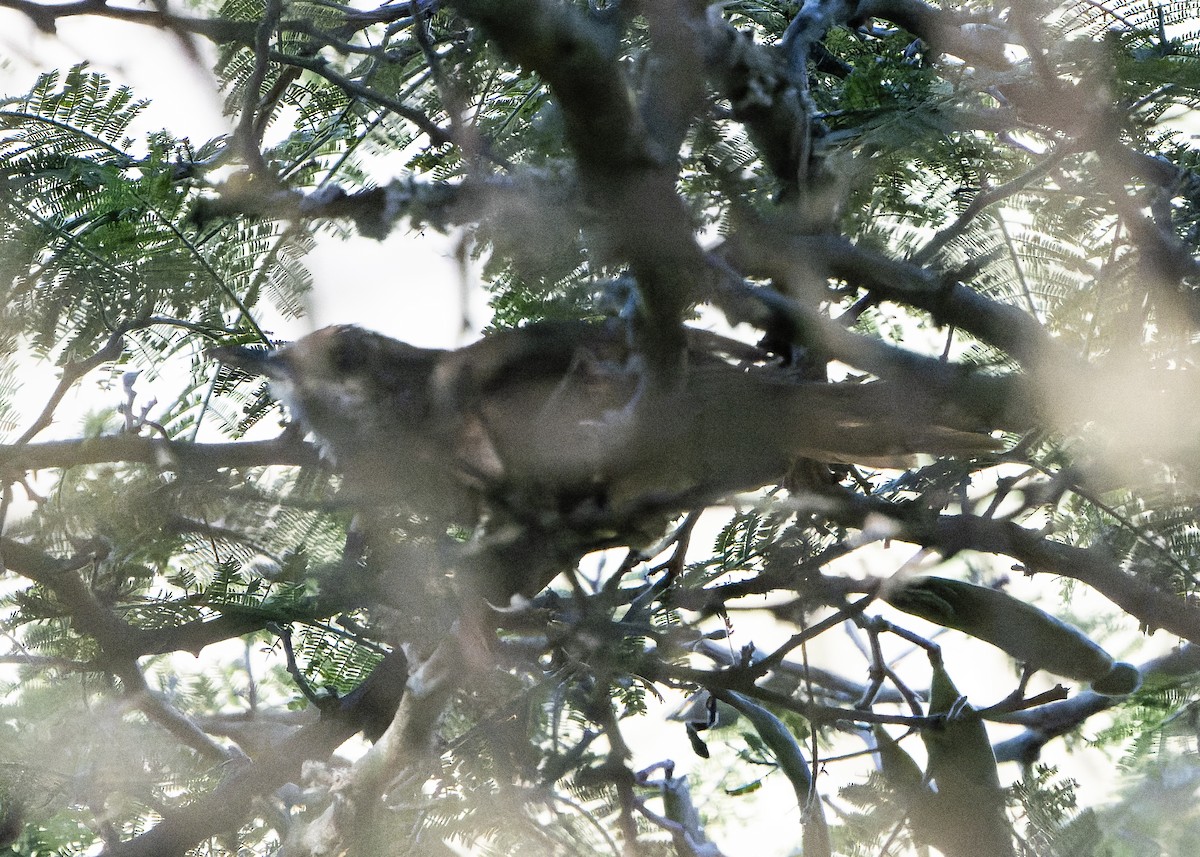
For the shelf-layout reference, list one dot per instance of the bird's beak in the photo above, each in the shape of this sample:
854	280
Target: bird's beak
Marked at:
256	361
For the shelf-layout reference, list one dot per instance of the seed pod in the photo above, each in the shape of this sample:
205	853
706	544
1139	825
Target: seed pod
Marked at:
779	738
899	769
967	815
1030	635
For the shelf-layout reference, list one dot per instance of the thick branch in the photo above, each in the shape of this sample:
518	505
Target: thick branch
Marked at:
672	92
195	636
121	642
233	801
622	174
1093	566
374	210
166	715
756	80
1047	722
166	454
764	252
45	17
61	576
981	399
981	42
577	58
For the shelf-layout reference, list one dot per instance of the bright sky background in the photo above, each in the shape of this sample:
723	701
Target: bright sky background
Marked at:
422	303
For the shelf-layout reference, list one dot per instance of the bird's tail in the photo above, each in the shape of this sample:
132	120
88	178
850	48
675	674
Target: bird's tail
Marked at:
774	420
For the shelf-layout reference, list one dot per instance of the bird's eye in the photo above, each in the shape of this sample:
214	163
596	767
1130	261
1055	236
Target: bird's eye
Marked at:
349	355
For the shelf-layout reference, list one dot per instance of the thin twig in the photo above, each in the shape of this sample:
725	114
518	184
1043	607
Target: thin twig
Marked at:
985	198
830	621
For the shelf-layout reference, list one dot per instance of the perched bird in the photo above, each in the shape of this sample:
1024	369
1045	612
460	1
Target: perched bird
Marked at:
557	418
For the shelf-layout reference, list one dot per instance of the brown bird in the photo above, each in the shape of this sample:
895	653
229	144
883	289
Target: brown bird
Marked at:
559	419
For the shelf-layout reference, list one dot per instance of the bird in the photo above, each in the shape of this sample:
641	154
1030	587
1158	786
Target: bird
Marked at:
560	421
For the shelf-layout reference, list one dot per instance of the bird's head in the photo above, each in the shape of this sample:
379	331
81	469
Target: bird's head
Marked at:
343	381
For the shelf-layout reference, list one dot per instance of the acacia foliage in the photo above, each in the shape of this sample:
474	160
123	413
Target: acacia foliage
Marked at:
997	201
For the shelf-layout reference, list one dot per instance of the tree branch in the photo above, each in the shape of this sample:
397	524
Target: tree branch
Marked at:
975	38
61	576
1048	722
45	17
234	800
120	641
71	373
622	174
319	66
1094	566
157	451
765	252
